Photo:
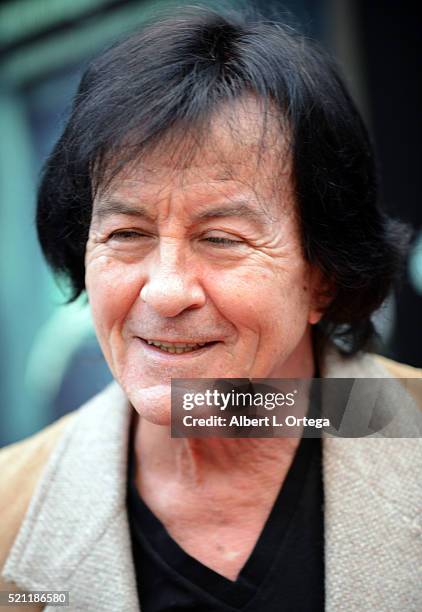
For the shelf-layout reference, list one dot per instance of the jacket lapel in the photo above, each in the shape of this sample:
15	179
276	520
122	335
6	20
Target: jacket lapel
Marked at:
372	511
80	509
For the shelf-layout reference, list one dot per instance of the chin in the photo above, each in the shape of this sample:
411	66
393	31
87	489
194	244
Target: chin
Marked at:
151	403
156	417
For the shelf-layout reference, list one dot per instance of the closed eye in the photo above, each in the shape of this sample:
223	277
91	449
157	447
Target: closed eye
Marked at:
219	240
127	235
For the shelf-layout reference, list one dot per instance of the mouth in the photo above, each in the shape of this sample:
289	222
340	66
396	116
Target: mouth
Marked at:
177	348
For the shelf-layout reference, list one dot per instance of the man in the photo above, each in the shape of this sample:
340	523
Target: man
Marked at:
214	194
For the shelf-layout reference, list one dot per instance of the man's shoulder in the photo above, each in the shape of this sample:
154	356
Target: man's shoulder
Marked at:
336	364
21	466
408	376
26	458
398	370
22	463
25	465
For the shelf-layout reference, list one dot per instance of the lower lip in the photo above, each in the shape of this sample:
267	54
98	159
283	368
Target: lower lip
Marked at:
157	352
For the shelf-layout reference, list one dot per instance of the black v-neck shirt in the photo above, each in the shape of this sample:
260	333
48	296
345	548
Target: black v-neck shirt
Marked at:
285	571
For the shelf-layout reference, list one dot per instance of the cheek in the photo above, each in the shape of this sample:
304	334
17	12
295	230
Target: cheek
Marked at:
112	288
233	293
262	298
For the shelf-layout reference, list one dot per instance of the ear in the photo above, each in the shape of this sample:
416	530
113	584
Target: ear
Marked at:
322	294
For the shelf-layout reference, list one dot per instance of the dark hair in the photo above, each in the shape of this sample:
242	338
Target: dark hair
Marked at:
175	73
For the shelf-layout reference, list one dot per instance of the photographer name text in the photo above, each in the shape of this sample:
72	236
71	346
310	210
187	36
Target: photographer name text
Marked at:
246	421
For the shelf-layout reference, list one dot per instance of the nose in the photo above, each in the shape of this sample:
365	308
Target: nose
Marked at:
172	286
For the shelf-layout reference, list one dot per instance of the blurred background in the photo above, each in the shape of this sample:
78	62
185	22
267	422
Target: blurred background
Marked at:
50	362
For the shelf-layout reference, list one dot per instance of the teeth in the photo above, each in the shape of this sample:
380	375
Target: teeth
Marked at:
176	348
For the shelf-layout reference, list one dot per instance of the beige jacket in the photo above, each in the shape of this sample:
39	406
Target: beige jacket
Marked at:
63	522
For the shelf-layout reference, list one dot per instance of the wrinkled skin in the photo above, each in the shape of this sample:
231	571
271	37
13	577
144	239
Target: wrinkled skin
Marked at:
157	268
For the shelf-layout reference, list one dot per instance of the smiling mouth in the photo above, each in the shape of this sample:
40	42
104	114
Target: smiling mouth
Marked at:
177	348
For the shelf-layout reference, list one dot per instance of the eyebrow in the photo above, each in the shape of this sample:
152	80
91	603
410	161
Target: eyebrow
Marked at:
243	209
107	208
240	209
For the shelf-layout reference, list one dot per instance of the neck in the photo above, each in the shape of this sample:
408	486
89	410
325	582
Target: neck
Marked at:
196	461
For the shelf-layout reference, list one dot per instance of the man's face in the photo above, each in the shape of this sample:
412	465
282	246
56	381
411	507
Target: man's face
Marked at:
205	258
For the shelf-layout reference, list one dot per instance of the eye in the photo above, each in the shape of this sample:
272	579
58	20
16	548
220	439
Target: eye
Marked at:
127	235
223	241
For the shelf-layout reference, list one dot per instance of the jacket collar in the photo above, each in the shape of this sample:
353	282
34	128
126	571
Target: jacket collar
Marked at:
75	535
372	501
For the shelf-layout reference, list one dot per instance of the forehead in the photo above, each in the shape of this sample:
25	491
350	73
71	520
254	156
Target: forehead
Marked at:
243	148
